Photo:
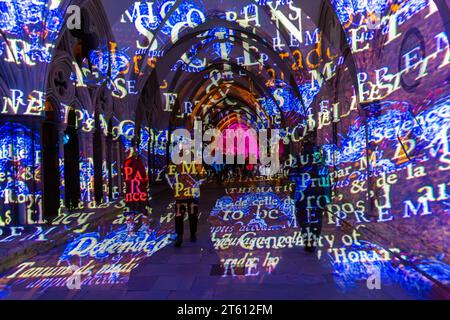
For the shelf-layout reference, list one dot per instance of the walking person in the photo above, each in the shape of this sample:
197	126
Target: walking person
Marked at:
136	183
310	213
186	187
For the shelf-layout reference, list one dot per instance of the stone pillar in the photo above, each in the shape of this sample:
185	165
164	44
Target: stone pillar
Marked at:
62	191
86	168
120	163
21	180
105	168
116	181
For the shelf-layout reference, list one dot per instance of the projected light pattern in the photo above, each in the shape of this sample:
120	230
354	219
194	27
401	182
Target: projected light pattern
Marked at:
110	63
127	134
145	139
86	178
270	107
348	273
429	130
148	19
37	23
309	92
370	93
187	11
160	146
20	172
119	242
192	63
285	206
103	255
344	8
250	231
221	33
347	9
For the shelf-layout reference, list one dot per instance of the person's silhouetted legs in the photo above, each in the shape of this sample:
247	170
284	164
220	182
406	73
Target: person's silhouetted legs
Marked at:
179	222
193	220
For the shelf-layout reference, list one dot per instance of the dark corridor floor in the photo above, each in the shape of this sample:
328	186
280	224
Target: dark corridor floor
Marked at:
194	272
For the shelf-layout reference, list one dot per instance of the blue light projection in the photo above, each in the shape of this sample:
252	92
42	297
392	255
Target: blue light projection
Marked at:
149	20
151	16
187	11
31	27
428	129
287	100
116	243
221	50
145	138
193	64
126	133
161	142
86	178
35	22
250	201
309	92
347	273
19	169
218	48
346	10
345	7
110	63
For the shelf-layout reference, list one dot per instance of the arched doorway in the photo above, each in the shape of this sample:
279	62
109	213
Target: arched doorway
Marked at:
50	157
72	162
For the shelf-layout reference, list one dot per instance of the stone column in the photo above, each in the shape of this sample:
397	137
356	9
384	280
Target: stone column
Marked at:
62	191
86	168
116	181
105	168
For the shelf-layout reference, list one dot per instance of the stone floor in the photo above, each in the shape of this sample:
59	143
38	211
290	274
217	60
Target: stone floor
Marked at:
188	273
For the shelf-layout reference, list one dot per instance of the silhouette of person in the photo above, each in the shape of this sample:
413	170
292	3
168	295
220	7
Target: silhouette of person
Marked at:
186	187
316	196
136	183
